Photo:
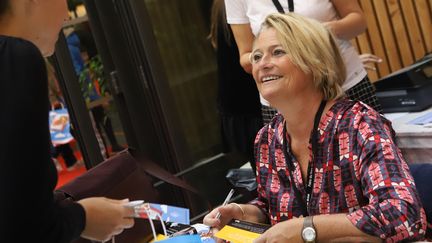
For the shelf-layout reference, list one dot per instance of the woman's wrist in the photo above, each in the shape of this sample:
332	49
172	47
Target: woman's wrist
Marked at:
241	209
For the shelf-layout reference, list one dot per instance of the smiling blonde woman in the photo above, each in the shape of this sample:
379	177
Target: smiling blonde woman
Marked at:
328	168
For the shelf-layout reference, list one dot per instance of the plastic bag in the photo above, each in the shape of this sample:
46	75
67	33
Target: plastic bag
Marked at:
59	125
243	180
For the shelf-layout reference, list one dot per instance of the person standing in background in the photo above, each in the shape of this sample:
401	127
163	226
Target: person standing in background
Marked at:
57	101
28	210
238	98
343	17
102	120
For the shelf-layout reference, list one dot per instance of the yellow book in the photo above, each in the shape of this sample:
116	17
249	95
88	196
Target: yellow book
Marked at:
238	231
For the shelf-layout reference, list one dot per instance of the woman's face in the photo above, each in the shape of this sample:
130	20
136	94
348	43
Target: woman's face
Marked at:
276	77
47	18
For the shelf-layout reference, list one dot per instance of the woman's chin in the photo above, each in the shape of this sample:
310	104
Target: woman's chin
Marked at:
268	94
48	53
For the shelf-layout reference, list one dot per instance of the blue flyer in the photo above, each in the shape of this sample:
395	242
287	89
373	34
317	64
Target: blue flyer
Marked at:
167	212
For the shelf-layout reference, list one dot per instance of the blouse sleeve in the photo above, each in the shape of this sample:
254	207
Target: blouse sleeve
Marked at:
394	211
28	211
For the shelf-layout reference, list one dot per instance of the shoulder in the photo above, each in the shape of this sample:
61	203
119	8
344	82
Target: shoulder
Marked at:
236	11
358	116
346	108
19	48
22	65
21	57
22	53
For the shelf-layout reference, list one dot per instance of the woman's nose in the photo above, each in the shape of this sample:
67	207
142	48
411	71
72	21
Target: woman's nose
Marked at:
266	62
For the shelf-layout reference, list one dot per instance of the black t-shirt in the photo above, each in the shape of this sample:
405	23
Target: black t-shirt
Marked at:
28	211
237	94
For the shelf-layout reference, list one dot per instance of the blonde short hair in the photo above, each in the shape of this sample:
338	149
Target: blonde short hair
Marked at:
312	48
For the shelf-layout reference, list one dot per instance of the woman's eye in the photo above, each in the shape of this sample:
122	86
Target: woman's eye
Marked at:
278	52
256	57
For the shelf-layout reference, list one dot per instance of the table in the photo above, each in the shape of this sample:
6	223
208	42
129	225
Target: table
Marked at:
415	141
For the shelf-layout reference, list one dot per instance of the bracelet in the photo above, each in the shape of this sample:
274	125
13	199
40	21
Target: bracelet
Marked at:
238	205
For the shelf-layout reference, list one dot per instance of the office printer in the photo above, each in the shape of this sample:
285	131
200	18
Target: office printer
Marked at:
409	89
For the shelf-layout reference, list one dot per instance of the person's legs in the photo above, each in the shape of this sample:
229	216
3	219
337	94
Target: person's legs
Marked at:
103	121
54	151
98	116
109	131
67	153
54	154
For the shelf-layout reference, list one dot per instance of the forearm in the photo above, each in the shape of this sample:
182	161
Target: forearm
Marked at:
337	228
348	27
253	213
244	39
245	62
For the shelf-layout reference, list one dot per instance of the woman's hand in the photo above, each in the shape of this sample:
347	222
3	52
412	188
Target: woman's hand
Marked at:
105	218
369	60
227	213
286	231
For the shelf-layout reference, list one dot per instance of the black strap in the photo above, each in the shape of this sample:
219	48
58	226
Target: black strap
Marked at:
279	6
311	172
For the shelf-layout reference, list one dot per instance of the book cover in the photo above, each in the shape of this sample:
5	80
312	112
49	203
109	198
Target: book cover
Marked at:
238	231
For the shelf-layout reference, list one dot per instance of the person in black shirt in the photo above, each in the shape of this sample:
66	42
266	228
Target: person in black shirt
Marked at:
28	210
240	117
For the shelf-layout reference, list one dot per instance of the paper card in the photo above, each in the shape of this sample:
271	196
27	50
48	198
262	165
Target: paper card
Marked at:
238	231
168	213
422	120
200	229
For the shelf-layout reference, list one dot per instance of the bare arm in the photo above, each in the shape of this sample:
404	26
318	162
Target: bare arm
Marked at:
244	38
329	228
245	212
352	21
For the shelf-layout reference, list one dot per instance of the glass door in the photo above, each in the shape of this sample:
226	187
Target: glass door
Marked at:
164	68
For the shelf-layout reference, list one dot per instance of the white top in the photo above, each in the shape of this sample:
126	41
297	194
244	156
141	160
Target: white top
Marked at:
255	11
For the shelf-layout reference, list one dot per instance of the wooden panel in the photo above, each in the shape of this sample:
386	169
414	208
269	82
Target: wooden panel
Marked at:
399	31
425	19
374	37
413	28
387	35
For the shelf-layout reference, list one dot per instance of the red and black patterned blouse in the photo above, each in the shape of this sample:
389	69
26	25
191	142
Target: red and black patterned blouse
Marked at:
358	171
